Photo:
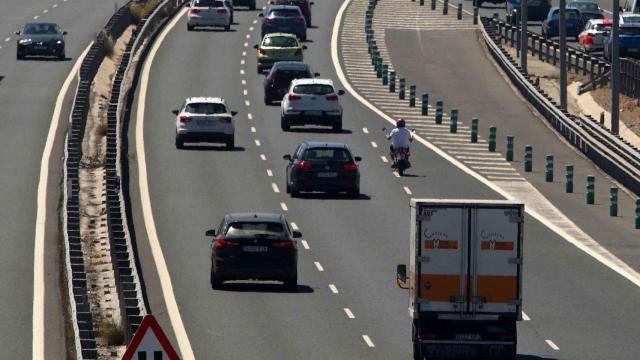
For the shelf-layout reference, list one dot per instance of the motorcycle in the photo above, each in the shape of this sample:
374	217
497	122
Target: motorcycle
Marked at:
400	157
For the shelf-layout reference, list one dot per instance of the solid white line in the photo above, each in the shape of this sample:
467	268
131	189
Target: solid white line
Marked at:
263	157
552	345
318	266
374	145
249	116
305	244
525	317
246	102
407	190
284	206
269	173
384	159
156	250
257	142
349	313
294	226
274	186
333	288
367	339
37	331
365	130
253	129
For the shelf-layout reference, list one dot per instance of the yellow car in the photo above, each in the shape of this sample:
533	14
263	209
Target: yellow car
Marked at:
278	47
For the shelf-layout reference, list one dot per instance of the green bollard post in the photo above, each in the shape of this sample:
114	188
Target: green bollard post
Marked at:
474	130
637	213
421	2
385	74
425	104
453	124
412	96
392	81
509	155
439	110
459	11
475	16
401	91
445	7
379	68
492	138
613	206
569	185
548	174
591	189
528	158
433	4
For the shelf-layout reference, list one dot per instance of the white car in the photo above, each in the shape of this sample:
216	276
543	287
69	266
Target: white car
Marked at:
311	101
205	119
208	13
595	32
629	18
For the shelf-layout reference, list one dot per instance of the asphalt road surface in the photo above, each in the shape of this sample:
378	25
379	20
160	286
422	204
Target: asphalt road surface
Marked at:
28	92
583	308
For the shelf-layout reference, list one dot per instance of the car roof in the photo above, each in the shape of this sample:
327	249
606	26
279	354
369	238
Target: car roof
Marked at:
320	144
291	65
283	7
254	216
40	23
205	99
280	34
312	81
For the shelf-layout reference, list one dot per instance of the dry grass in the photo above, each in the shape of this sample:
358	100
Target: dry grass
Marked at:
109	44
111	332
629	109
142	11
101	130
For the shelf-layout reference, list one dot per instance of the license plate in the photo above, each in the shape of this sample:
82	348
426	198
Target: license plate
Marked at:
40	47
313	113
633	50
328	174
204	122
255	248
468	337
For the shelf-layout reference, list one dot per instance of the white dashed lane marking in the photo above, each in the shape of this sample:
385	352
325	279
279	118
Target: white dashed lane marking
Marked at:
269	173
250	28
246	102
263	157
284	206
407	190
257	142
319	267
245	92
384	159
244	82
294	226
244	53
374	145
7	39
367	339
525	317
249	116
395	173
255	21
305	244
253	129
365	130
246	44
333	288
349	313
45	11
36	17
55	6
241	71
242	62
248	36
552	345
274	186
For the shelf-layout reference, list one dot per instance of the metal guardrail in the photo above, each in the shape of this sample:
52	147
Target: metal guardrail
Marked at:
615	156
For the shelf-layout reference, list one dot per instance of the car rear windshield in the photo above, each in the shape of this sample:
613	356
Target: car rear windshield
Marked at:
313	89
252	228
326	154
285	76
589	7
290	13
569	13
205	108
602	27
208	3
630	31
631	19
281	41
41	29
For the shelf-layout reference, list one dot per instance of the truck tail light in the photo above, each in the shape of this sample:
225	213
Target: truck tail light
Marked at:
185	119
303	165
194	11
350	166
225	244
294	97
287	244
332	97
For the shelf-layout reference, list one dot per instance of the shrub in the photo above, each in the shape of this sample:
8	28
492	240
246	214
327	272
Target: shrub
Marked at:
101	130
109	44
112	332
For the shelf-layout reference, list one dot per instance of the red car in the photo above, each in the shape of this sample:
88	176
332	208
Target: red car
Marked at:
304	5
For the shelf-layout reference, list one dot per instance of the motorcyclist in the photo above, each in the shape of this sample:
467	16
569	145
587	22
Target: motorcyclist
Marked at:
400	138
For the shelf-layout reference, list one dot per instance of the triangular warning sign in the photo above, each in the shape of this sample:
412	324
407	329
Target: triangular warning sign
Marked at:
150	343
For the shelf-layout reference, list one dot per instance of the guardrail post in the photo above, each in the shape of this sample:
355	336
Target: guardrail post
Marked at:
591	189
528	158
555	55
492	138
475	16
570	52
392	81
439	107
602	118
474	130
401	92
569	175
412	96
539	48
385	74
459	11
637	214
509	154
613	206
548	174
547	51
425	104
433	4
584	64
445	7
453	124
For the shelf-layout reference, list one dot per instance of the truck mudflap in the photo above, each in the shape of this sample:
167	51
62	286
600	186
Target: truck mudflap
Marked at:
466	350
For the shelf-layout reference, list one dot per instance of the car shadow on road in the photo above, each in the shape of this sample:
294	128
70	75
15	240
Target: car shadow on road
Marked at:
319	130
44	58
1	78
535	357
213	148
265	288
329	196
213	30
413	175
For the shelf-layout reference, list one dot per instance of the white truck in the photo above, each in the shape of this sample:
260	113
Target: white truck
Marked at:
464	278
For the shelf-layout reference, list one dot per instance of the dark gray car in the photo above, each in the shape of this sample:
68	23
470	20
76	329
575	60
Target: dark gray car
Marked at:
40	39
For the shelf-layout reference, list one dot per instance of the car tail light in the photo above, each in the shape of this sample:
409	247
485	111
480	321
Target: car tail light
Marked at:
303	165
298	21
261	51
332	97
194	11
504	337
273	78
225	244
294	97
550	23
185	119
221	11
226	120
298	51
287	244
429	336
588	39
350	166
268	21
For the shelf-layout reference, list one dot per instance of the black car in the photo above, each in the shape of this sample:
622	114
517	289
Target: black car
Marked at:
588	10
279	78
254	246
321	166
251	4
537	10
40	39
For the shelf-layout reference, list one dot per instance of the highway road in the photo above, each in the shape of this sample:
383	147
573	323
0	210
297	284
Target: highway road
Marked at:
347	305
28	92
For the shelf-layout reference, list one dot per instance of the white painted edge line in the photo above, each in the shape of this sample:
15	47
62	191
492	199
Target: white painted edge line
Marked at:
333	288
156	250
367	339
37	330
552	345
593	249
349	313
274	186
305	244
525	317
319	267
284	206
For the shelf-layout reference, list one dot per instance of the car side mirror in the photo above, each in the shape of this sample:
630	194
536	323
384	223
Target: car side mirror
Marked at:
401	276
271	2
64	32
175	112
234	113
261	15
296	234
287	157
17	32
311	3
340	92
316	74
211	232
357	158
256	46
304	47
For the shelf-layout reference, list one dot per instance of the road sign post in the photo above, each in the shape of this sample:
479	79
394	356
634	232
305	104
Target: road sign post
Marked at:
563	55
615	68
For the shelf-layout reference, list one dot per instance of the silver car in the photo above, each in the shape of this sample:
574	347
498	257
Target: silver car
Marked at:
209	13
